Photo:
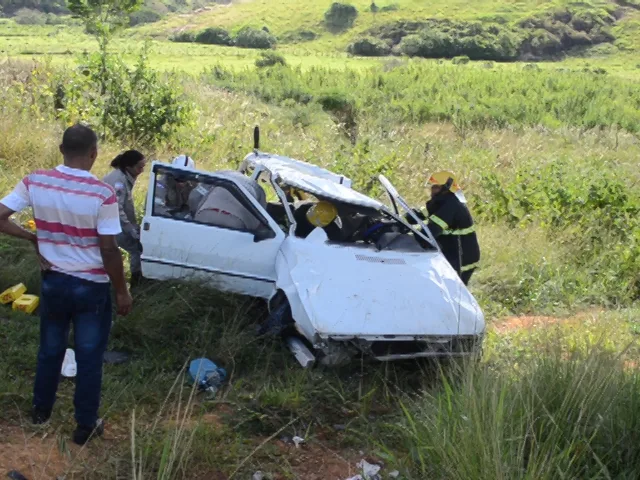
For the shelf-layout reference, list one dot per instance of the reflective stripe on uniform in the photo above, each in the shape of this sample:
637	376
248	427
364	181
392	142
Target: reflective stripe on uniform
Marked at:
438	221
471	266
463	231
445	228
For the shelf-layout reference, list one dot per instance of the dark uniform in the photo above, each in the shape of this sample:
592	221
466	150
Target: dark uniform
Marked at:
451	224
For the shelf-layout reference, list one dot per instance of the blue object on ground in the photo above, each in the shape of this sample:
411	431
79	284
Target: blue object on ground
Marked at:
206	374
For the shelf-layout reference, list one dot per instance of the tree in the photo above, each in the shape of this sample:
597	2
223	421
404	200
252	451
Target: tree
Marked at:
103	18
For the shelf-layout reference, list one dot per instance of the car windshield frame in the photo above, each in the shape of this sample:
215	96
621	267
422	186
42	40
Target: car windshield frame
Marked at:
285	172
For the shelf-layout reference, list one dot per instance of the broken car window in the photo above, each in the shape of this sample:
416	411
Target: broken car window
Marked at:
215	201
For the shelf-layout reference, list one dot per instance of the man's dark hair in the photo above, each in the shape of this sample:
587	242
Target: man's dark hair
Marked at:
78	140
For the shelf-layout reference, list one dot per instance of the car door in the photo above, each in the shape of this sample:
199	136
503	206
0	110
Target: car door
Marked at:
396	200
233	253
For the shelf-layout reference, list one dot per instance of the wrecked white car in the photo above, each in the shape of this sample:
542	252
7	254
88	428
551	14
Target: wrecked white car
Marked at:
368	283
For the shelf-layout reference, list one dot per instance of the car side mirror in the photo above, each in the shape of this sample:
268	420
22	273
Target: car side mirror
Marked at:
263	234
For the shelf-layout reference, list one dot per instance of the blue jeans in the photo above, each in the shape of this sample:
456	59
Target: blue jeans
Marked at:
66	300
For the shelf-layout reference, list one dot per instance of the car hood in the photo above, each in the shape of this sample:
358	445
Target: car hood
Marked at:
354	291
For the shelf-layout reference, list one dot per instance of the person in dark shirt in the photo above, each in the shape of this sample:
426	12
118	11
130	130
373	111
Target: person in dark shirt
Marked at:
451	224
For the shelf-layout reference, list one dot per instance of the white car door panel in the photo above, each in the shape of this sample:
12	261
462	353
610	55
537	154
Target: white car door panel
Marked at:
227	259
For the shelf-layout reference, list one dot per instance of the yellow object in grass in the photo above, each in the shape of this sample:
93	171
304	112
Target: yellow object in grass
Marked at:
26	303
30	225
13	293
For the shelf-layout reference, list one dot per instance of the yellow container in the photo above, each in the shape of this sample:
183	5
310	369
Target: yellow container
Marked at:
12	294
26	303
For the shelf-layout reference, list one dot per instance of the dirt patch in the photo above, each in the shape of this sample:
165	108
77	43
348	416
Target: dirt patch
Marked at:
35	455
315	461
42	453
511	324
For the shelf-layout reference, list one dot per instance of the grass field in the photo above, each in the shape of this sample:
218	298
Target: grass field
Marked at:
548	158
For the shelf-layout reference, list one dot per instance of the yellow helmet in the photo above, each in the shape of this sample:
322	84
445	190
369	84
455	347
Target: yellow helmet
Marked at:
322	214
442	178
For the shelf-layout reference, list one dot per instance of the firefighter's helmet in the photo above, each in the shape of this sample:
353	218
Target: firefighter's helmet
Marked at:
322	214
444	179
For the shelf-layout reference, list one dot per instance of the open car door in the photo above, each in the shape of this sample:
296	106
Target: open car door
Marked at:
396	200
233	248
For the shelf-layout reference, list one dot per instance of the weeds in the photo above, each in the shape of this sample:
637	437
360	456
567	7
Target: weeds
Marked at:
564	415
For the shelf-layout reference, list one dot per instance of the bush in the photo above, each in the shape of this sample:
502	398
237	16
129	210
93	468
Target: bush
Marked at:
252	38
214	36
542	43
27	16
461	60
298	36
369	47
538	37
128	104
144	15
53	19
340	16
390	8
184	37
270	59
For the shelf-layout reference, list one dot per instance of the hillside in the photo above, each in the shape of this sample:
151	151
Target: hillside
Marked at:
301	25
600	32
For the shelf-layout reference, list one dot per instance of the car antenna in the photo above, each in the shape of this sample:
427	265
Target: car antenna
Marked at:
256	140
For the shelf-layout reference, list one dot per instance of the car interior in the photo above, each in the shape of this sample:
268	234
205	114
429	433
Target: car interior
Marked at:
220	203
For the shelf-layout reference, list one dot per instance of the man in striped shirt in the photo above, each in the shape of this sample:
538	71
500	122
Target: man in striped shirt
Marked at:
77	221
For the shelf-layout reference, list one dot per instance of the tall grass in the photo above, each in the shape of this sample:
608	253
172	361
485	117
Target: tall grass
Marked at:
566	415
467	96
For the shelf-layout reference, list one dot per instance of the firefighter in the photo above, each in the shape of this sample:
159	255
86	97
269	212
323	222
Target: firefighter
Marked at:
451	224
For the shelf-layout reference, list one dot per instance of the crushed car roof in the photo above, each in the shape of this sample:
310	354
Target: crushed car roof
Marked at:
311	179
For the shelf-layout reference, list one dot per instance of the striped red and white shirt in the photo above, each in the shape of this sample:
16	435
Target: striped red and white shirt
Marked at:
71	208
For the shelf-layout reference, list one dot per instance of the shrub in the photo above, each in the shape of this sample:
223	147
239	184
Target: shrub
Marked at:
53	19
299	36
374	8
214	36
340	16
128	104
542	43
428	44
369	47
144	15
252	38
184	37
270	59
27	16
461	60
390	8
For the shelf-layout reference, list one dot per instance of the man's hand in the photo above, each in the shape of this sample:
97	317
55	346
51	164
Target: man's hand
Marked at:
124	303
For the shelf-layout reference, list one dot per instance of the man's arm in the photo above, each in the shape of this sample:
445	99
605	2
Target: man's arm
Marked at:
112	260
9	227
